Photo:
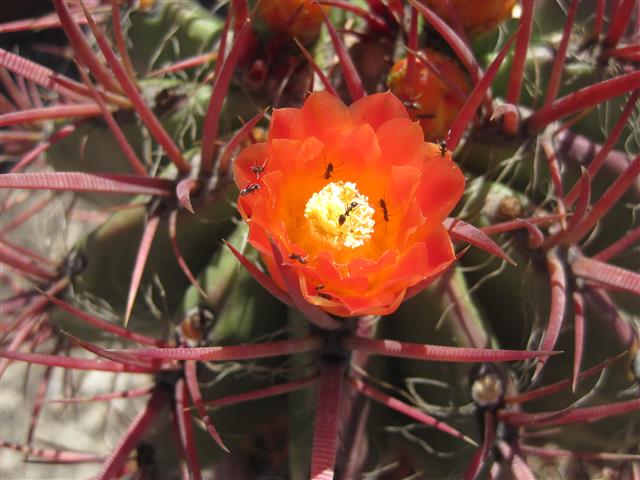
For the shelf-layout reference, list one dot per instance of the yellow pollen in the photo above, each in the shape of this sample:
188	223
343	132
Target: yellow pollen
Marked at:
341	215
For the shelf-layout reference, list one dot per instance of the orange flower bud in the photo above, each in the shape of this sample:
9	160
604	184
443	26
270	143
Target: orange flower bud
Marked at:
292	18
353	199
429	100
475	16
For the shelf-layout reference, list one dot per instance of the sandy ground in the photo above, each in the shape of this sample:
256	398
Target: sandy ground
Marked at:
90	427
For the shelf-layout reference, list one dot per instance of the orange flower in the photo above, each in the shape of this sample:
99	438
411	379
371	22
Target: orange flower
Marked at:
432	102
353	198
475	16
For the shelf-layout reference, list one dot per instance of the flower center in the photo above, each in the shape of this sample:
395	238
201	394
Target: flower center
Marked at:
340	214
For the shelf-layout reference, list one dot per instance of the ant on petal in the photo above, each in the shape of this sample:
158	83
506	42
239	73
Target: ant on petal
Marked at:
298	258
328	171
383	205
320	294
252	187
443	147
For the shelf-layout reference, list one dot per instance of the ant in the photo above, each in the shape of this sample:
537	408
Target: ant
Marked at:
252	187
443	147
297	257
326	296
257	169
328	171
411	104
383	206
343	218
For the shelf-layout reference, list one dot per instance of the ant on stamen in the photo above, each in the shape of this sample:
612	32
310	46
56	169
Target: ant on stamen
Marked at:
252	187
443	147
297	257
343	218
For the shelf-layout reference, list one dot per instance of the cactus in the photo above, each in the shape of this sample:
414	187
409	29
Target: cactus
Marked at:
321	239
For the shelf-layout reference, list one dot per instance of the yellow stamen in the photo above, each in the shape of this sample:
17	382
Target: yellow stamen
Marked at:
341	215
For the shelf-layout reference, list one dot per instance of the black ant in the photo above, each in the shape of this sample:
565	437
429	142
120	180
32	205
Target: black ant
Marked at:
443	147
343	218
329	168
297	257
328	171
258	169
411	104
252	187
326	296
385	212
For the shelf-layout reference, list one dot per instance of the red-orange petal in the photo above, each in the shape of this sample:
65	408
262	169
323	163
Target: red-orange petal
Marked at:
322	116
252	156
377	109
440	189
441	252
281	121
410	267
401	142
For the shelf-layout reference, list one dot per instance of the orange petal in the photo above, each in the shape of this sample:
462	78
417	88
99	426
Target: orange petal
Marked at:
282	153
402	184
401	142
410	267
322	116
441	252
440	190
281	121
357	159
252	156
308	157
274	271
263	196
377	109
403	212
358	146
265	201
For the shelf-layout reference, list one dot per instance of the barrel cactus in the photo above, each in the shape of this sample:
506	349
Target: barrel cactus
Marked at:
320	239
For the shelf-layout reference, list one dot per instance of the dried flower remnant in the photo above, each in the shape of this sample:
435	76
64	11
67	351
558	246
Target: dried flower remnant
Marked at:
365	257
430	100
